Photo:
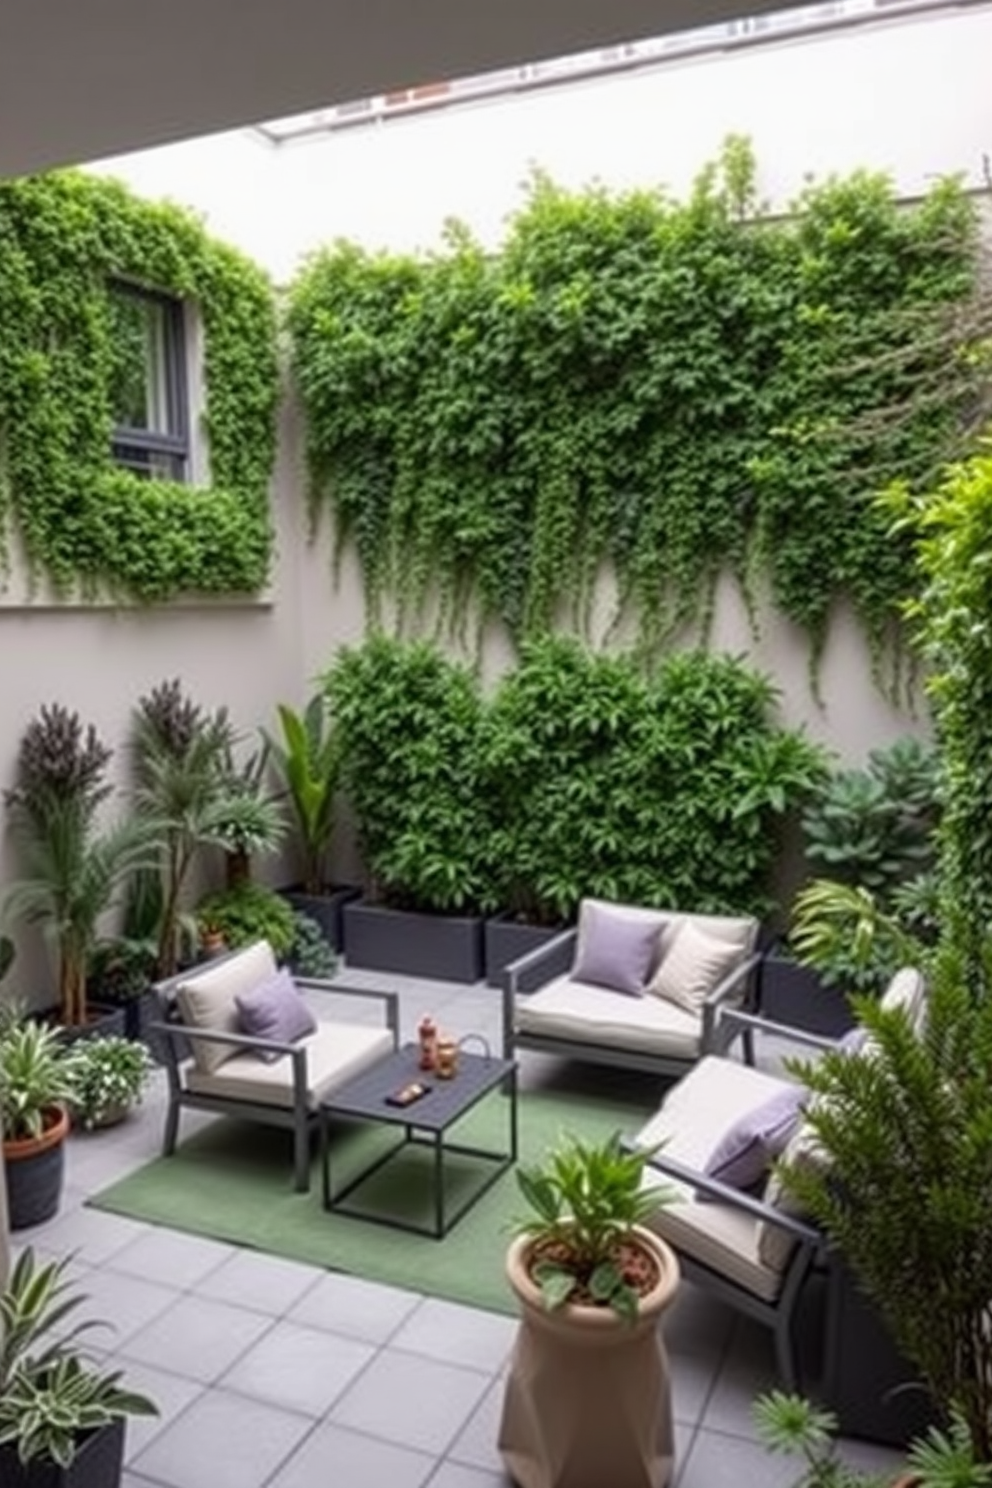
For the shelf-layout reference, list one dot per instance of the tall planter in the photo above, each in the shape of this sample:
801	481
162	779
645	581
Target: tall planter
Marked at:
327	909
505	940
98	1463
790	993
588	1396
35	1172
447	948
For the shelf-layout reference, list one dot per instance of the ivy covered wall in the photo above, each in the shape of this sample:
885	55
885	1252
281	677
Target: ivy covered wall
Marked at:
670	390
88	525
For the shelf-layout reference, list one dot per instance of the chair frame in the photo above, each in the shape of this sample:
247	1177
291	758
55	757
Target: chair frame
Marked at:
298	1118
530	972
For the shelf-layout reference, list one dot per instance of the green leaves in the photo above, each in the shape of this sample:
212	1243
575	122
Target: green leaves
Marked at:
307	760
632	386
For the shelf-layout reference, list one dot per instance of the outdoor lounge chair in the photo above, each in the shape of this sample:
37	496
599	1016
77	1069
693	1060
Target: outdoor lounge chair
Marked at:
640	988
212	1065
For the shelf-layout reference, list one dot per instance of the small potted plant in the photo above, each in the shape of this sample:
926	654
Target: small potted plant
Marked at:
109	1076
62	1419
35	1086
592	1283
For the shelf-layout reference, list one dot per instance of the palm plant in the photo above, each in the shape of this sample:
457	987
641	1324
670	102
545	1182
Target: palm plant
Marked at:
181	756
307	760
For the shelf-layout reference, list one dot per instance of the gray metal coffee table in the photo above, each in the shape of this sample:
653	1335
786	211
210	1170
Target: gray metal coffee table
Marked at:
424	1123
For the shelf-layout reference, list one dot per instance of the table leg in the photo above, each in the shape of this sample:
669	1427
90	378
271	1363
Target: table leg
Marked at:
439	1184
513	1115
325	1159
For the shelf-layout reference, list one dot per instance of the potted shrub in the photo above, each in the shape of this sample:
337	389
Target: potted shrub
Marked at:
307	762
409	725
108	1076
35	1086
588	1380
61	1418
74	870
249	912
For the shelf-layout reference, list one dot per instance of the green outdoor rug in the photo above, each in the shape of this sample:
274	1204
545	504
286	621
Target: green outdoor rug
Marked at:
232	1181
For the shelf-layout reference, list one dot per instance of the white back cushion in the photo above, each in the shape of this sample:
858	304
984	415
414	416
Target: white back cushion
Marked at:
207	999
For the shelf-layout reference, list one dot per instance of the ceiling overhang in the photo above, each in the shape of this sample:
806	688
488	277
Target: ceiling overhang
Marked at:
85	79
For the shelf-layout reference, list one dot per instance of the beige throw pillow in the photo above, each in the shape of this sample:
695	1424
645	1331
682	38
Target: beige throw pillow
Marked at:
776	1245
207	999
692	966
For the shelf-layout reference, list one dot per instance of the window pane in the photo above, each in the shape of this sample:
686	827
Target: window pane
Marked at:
150	463
141	387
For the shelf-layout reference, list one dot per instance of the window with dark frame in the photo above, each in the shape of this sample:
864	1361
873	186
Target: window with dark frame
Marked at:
148	389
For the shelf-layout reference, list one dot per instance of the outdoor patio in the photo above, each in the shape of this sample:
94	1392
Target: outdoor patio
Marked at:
297	1370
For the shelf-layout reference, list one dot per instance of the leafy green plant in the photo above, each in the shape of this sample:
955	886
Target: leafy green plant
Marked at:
51	1397
73	871
309	954
35	1076
843	933
181	755
663	389
306	759
253	821
108	1076
86	523
249	912
409	726
586	1199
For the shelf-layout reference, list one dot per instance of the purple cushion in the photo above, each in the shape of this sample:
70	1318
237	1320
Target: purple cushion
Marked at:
615	949
275	1010
744	1154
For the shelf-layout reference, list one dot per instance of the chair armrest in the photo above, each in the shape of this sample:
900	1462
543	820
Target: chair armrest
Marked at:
740	1022
550	959
215	1036
389	1000
745	1203
713	1041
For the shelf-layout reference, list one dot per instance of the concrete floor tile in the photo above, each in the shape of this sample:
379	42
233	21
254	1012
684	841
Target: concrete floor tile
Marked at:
413	1401
222	1441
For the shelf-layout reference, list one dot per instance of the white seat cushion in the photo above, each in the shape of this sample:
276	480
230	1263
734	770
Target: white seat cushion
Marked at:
335	1054
207	999
578	1011
694	1116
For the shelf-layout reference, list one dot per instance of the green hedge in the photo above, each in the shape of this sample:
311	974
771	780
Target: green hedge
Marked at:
578	776
88	525
668	388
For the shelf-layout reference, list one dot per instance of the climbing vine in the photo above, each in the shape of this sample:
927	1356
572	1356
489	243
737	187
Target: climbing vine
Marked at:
87	523
668	389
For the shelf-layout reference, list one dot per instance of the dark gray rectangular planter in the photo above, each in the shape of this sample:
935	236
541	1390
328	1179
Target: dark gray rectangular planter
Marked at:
790	993
445	947
506	940
98	1463
324	908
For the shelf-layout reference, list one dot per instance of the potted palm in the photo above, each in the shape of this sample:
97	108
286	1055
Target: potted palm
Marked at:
588	1380
35	1087
62	1419
307	760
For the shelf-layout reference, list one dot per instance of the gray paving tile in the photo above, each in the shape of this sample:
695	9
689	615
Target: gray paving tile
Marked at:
126	1303
222	1441
181	1259
411	1400
718	1461
354	1308
456	1475
748	1369
457	1335
298	1368
197	1338
698	1323
92	1236
170	1392
475	1444
333	1455
692	1379
263	1283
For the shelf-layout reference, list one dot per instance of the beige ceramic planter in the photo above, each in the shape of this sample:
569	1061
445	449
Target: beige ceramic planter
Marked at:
588	1400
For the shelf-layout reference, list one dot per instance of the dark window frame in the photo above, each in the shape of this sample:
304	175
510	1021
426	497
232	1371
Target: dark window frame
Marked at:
173	443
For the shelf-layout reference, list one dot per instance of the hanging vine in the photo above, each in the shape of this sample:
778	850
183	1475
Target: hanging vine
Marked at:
670	389
87	523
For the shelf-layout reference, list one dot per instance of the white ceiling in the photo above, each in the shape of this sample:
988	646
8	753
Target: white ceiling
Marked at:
83	79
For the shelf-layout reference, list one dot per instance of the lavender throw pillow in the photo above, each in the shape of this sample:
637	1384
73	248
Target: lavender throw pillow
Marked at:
275	1010
615	949
744	1154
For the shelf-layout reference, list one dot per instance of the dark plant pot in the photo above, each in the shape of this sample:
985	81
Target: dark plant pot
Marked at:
35	1170
445	947
98	1463
104	1020
506	940
325	908
790	993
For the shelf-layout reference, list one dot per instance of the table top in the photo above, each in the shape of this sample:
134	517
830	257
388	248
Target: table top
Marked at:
445	1101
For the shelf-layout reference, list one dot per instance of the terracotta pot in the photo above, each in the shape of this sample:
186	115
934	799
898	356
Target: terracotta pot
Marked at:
588	1399
34	1171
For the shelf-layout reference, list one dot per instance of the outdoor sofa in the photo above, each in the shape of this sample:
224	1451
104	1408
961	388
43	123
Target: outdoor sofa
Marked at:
279	1072
640	988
